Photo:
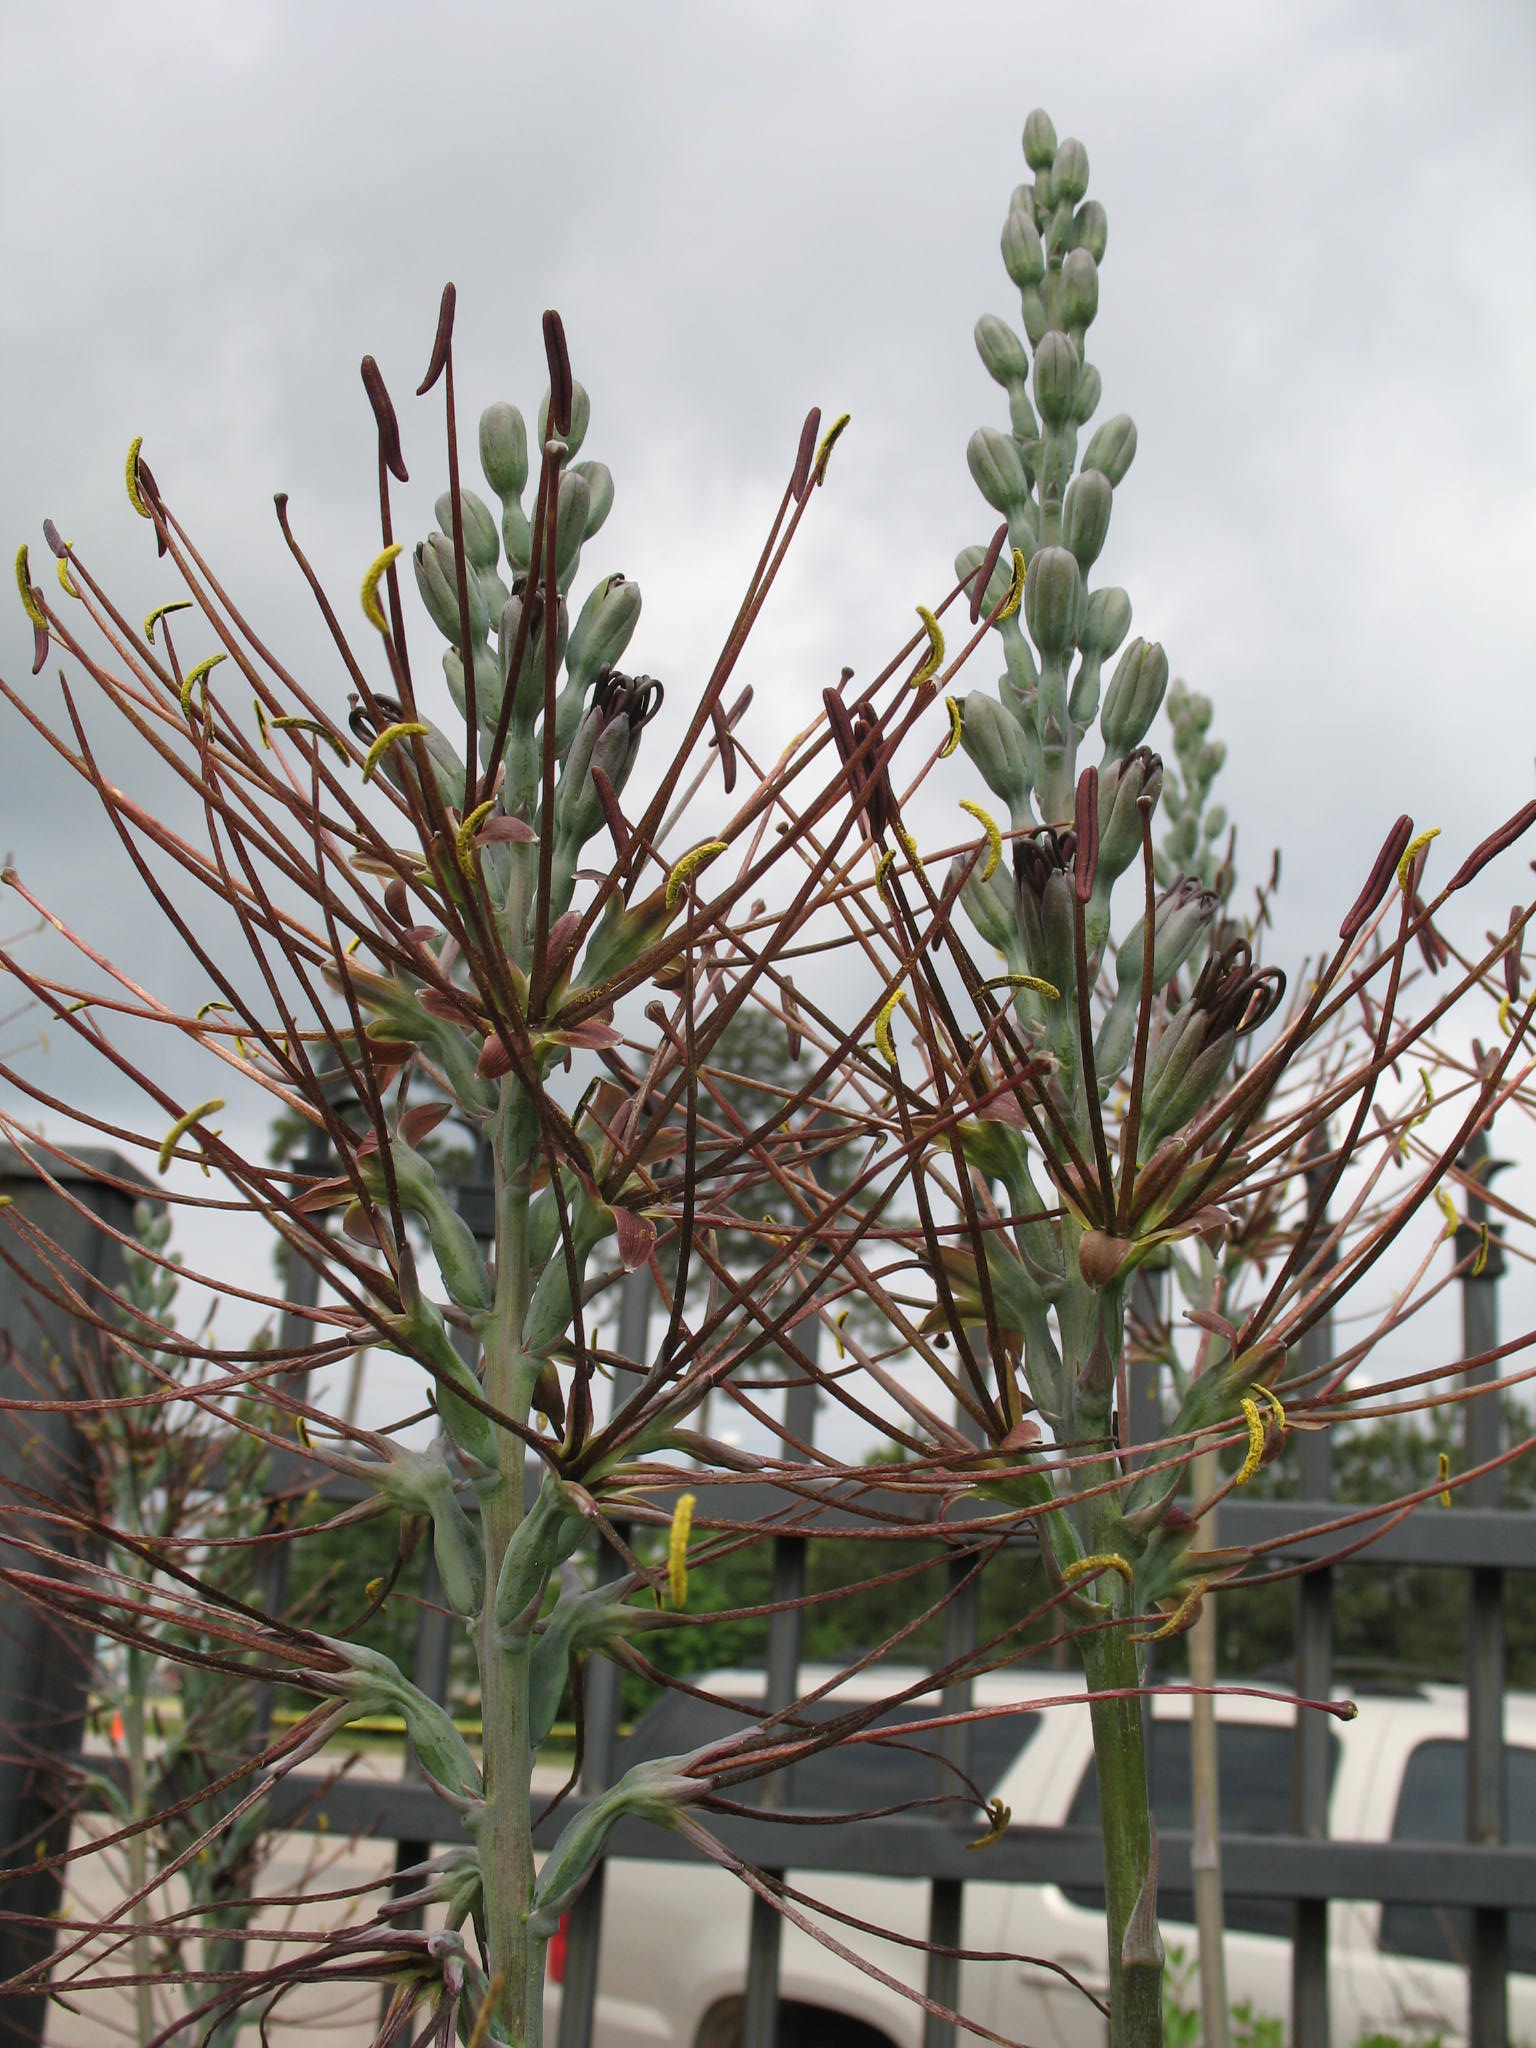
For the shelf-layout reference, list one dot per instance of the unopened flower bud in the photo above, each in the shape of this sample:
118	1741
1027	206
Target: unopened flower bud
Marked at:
1039	140
998	467
1053	595
1069	171
1023	254
437	580
1085	515
990	906
602	631
1090	389
1090	229
599	481
1001	351
482	544
1106	621
1134	696
574	504
581	415
1122	785
995	741
504	450
1112	447
1055	378
1079	289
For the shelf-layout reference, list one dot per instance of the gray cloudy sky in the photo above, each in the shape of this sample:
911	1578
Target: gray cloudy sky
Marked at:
1318	302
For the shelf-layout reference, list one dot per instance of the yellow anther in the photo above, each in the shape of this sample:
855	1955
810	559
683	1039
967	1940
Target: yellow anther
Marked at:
956	727
1411	853
467	831
1090	1567
301	1431
930	664
354	942
1255	1457
907	844
1429	1099
1448	1208
1504	1010
1180	1618
1268	1394
182	1125
1444	1474
688	865
372	1590
205	1009
295	721
1482	1251
828	443
193	677
883	868
884	1043
261	722
403	729
177	604
131	478
990	826
999	1815
373	611
837	1335
1037	982
62	565
29	603
1015	597
677	1549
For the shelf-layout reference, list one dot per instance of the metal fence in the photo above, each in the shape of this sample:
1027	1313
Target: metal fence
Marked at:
1485	1875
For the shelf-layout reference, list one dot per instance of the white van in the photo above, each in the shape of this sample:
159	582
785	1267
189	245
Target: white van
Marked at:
674	1940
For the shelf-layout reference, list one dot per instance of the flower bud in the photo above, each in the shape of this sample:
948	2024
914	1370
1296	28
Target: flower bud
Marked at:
990	907
1079	289
969	560
504	450
573	506
1090	389
437	580
599	481
1001	351
1040	140
998	467
581	414
1090	229
1023	199
1085	515
1134	696
993	738
1053	595
482	545
1122	785
1069	171
1112	448
1032	311
1023	255
1055	379
1106	621
602	631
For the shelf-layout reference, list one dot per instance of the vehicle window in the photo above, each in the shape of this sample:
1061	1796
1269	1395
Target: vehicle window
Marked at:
1254	1774
1432	1807
845	1780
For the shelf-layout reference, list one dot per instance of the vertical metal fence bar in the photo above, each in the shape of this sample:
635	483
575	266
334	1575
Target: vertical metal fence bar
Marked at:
1310	2023
1488	1988
946	1905
785	1630
584	1929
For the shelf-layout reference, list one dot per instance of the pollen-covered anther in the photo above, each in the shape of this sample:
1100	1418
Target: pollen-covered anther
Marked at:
1254	1418
885	1044
373	611
1091	1567
403	729
193	677
956	727
136	496
29	603
180	1128
829	441
1443	1474
677	1549
931	662
999	1815
1411	852
1015	597
161	611
994	834
687	866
